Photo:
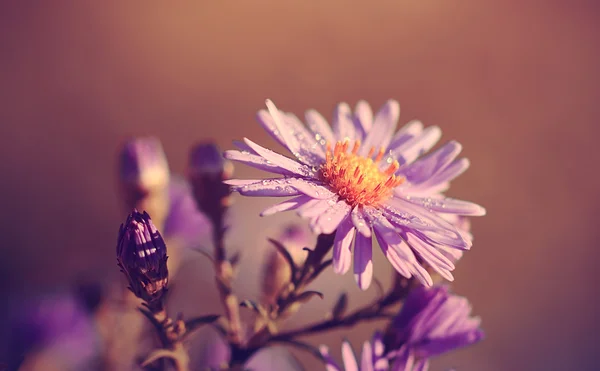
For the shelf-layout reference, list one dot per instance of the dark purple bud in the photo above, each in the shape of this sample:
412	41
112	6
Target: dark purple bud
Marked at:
142	255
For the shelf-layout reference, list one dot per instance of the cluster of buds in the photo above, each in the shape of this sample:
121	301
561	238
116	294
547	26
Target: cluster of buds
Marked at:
142	256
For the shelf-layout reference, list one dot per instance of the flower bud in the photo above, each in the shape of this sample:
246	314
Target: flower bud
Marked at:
143	163
277	272
144	176
207	170
142	256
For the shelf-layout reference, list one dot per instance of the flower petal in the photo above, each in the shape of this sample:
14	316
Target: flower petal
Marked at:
366	361
430	254
289	130
448	205
384	125
348	357
320	128
342	256
420	144
363	116
332	217
409	216
311	188
343	126
290	204
314	208
279	160
425	168
360	222
330	363
255	161
363	261
277	187
406	133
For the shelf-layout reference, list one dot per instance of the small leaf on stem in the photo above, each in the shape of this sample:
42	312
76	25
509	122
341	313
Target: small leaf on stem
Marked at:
287	256
340	306
307	295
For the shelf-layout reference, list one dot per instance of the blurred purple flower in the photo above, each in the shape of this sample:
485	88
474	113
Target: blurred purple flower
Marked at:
364	177
216	355
432	322
148	185
372	357
184	221
143	163
58	324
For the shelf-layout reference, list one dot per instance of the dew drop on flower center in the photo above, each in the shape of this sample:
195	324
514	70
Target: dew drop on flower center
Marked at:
357	179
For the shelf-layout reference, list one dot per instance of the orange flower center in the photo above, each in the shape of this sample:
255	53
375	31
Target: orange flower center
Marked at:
358	179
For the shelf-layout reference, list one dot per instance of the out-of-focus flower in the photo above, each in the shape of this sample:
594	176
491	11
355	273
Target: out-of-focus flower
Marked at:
143	163
277	272
372	357
146	184
142	255
215	355
185	222
144	177
58	326
431	322
364	177
207	169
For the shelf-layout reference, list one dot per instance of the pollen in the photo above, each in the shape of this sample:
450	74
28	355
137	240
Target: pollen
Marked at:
358	179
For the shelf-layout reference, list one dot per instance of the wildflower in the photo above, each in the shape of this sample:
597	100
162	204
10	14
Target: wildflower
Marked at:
431	322
142	256
362	179
372	357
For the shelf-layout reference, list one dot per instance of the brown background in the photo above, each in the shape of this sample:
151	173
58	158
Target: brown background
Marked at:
515	81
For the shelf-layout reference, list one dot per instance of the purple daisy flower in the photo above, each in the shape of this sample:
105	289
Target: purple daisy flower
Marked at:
372	357
362	178
431	322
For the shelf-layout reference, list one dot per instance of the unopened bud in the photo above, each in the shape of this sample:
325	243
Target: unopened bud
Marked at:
278	273
144	176
207	169
207	159
142	255
143	163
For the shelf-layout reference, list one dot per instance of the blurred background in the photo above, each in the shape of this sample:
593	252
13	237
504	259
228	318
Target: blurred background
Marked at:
516	82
